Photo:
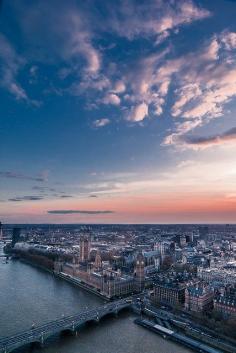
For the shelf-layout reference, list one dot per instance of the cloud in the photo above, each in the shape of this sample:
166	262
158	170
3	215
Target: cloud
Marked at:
11	63
43	188
229	40
209	141
111	98
146	89
101	122
119	87
65	196
79	41
132	19
78	212
73	32
26	198
205	82
14	175
139	112
65	30
94	83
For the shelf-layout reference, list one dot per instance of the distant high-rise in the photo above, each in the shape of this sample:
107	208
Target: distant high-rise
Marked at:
15	236
203	232
84	251
182	241
1	233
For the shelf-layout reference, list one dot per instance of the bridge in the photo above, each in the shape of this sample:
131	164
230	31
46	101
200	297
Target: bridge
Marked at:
40	334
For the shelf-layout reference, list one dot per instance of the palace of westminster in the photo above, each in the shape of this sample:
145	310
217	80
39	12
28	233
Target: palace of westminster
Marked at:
100	275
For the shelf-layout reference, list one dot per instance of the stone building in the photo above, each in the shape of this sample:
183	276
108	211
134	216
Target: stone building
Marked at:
198	297
171	293
225	303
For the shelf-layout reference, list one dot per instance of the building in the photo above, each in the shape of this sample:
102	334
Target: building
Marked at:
159	246
218	275
225	305
116	285
107	282
85	245
198	298
101	276
168	292
152	261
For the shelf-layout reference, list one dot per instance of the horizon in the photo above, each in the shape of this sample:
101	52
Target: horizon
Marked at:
118	113
120	224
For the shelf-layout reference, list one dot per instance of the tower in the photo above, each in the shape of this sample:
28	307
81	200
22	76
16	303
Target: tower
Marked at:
98	261
15	236
1	233
58	265
140	272
84	249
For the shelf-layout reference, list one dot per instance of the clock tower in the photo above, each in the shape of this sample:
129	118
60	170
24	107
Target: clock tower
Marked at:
139	272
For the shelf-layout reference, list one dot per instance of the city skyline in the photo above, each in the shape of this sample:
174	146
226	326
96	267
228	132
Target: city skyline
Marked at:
120	113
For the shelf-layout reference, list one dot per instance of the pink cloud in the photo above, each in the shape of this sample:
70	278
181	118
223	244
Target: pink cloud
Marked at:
154	18
101	122
138	112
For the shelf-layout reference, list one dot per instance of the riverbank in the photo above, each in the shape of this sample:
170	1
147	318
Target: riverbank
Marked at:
65	277
195	345
81	285
191	329
32	263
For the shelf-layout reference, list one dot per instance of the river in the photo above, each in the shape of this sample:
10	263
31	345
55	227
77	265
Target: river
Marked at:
29	295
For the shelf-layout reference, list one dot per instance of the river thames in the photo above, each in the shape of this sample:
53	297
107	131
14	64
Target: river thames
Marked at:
29	295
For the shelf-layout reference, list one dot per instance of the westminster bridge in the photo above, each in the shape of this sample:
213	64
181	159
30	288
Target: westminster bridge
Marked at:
69	324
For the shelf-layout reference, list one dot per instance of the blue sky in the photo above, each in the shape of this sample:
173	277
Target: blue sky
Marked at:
118	111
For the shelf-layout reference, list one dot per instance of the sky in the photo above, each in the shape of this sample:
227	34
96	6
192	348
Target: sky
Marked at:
118	111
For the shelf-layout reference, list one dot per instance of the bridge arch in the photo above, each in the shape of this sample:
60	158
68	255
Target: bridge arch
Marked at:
113	313
108	314
67	332
124	308
33	343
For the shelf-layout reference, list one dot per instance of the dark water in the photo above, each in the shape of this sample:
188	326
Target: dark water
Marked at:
29	295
